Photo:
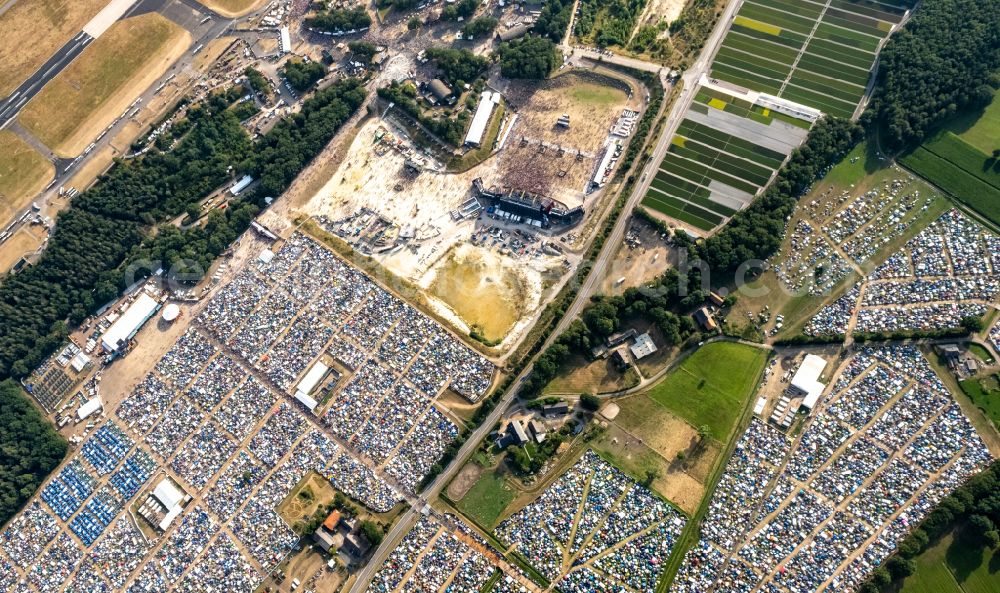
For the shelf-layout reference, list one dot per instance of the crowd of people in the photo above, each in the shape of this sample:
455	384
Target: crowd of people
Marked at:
943	275
617	534
889	443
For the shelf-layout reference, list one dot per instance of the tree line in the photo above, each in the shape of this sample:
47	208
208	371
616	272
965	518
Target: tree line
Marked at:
340	20
942	62
30	449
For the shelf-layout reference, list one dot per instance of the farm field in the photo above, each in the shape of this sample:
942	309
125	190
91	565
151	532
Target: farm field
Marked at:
809	52
725	150
712	386
85	97
23	50
23	173
960	161
985	394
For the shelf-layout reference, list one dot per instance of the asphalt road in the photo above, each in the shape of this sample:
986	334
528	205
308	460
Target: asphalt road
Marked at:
589	287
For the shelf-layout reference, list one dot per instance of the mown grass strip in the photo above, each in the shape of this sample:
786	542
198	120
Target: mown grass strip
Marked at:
960	184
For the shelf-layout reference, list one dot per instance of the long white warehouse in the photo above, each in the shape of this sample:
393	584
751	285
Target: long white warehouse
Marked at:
122	330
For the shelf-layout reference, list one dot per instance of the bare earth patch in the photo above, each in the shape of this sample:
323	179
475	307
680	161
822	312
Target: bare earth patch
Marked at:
464	481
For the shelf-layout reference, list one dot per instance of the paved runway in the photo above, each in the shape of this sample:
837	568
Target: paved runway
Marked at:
10	107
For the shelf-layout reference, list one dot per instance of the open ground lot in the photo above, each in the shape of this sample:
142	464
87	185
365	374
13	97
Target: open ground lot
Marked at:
103	81
23	50
712	386
593	103
23	173
885	444
478	273
232	8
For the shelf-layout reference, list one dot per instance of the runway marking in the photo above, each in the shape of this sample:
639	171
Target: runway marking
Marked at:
107	17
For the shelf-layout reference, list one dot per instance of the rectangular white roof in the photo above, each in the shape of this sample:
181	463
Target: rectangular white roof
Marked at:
482	117
88	408
306	400
312	378
130	321
168	494
806	379
241	185
286	40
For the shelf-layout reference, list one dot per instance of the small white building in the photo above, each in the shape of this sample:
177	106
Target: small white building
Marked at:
643	346
805	382
88	409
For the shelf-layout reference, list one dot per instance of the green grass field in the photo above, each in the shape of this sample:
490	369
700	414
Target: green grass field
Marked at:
985	394
712	386
980	129
487	499
953	565
959	183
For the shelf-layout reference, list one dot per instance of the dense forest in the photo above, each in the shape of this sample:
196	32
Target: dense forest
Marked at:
301	75
528	57
479	27
457	66
553	20
942	62
616	19
29	449
339	20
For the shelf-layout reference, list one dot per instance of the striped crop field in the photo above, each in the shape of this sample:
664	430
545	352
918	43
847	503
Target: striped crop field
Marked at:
724	152
815	52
